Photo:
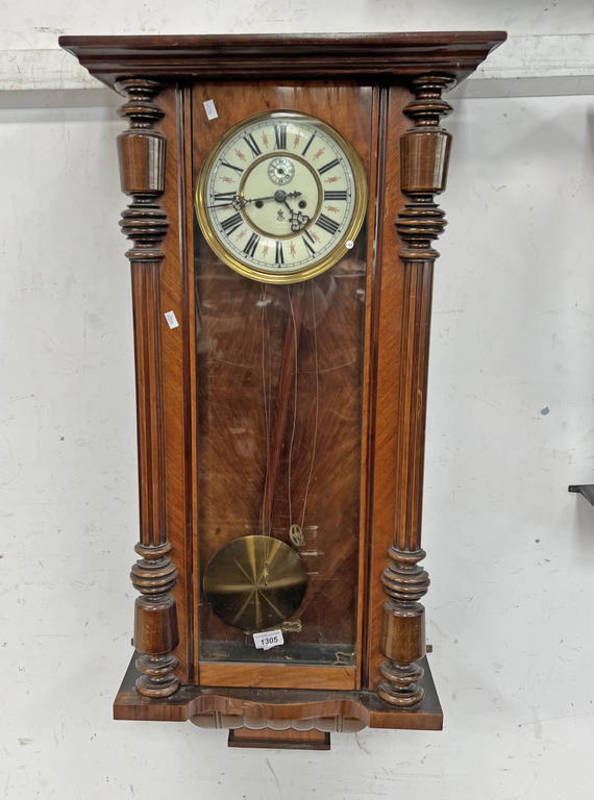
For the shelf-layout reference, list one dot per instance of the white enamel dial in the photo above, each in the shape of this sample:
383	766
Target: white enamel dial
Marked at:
281	197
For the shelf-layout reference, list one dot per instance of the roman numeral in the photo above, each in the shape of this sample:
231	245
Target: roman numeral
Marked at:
279	254
232	223
327	224
335	195
252	144
227	164
329	165
280	137
306	148
250	248
225	197
307	241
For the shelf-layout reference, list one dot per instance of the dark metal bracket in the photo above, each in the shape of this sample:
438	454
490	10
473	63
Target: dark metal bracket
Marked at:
585	489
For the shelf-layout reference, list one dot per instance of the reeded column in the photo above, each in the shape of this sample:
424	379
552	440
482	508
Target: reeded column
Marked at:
142	153
424	152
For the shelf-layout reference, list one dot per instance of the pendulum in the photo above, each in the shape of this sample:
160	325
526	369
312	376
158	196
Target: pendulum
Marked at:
255	582
258	581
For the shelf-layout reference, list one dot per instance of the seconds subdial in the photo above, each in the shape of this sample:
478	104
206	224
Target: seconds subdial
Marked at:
281	170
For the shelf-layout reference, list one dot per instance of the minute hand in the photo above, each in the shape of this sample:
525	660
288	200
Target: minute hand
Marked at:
274	197
240	202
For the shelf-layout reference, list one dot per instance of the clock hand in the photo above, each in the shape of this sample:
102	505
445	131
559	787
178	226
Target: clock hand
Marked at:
297	220
235	202
239	202
279	196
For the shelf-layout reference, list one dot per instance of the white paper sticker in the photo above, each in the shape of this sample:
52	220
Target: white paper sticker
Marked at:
267	639
171	319
210	108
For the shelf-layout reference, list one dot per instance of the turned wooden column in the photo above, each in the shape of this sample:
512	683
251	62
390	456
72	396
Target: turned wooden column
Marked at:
424	152
142	154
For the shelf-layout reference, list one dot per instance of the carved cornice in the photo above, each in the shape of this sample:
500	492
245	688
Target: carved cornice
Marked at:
299	56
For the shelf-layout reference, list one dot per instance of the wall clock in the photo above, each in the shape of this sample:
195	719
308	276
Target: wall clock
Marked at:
282	217
281	197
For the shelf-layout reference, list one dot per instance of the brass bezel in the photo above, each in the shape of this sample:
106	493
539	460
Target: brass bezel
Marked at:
303	273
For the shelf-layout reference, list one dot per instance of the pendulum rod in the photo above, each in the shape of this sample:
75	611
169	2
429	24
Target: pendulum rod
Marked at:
296	529
285	386
314	326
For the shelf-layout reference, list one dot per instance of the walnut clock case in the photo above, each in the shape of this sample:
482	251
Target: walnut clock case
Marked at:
282	215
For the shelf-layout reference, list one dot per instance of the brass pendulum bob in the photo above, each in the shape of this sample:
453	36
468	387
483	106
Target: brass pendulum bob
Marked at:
255	582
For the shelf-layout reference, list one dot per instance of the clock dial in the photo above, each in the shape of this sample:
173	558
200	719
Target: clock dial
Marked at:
281	197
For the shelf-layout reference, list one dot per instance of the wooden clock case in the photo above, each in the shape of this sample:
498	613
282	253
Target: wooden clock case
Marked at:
384	93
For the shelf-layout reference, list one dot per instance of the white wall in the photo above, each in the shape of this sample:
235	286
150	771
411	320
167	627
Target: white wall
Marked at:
27	25
511	554
550	49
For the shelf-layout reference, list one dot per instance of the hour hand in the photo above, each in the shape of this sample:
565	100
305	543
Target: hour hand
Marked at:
228	200
297	220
